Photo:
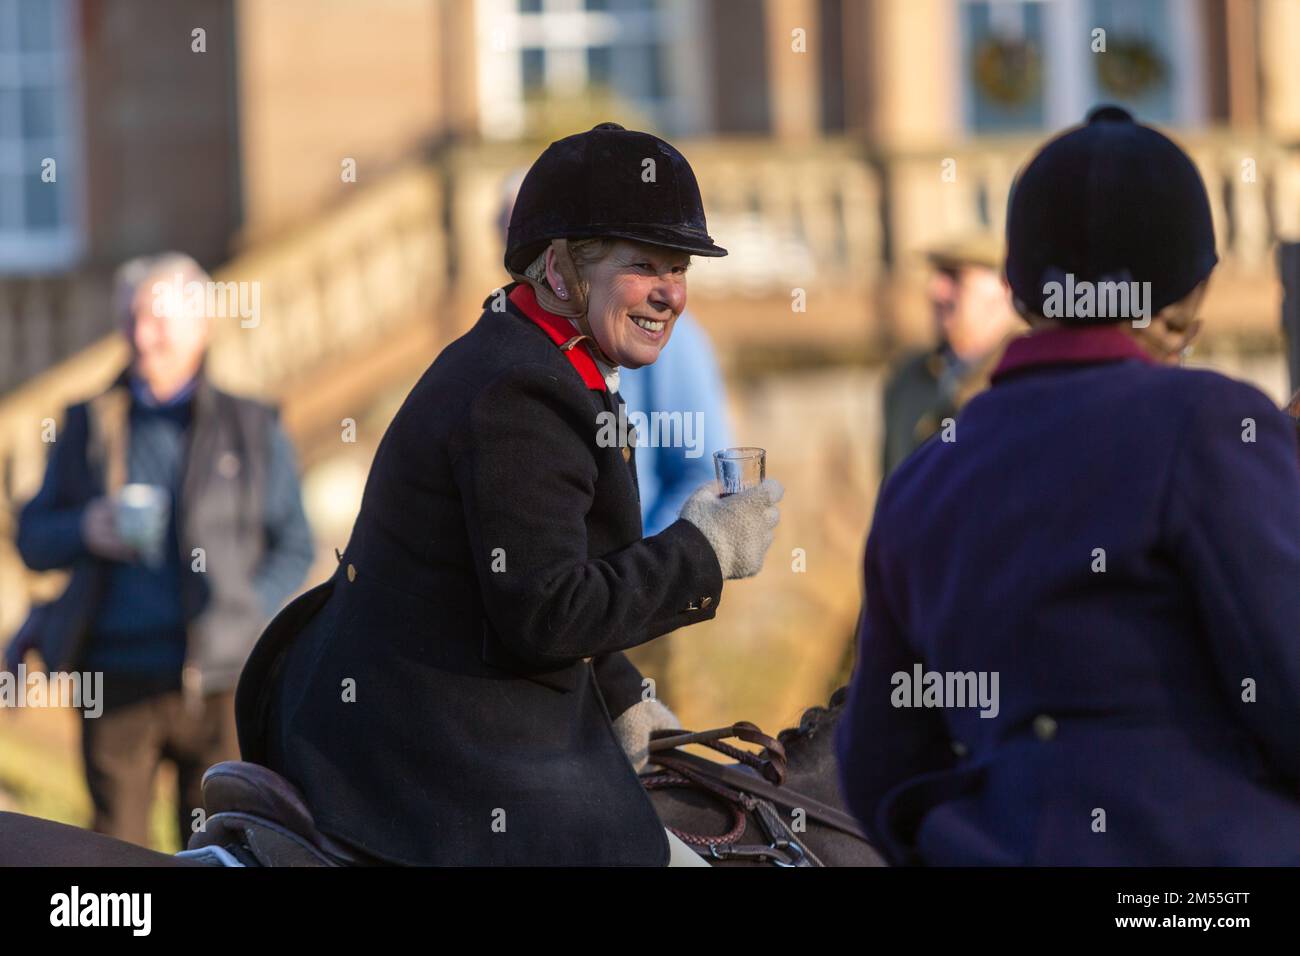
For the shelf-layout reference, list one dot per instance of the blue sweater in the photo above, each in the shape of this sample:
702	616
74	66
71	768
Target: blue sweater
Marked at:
141	623
684	380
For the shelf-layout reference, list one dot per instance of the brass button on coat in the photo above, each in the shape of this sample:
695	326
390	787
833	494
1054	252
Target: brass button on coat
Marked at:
692	606
1044	727
627	453
352	572
706	601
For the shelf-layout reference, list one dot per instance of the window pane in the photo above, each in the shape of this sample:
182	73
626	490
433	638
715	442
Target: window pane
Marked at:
8	114
533	65
655	55
1137	67
619	6
42	203
10	195
38	112
599	62
1004	57
640	75
36	25
8	26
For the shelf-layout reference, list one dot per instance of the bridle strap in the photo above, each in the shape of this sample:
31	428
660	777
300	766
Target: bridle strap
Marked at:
782	848
771	763
742	793
781	796
734	802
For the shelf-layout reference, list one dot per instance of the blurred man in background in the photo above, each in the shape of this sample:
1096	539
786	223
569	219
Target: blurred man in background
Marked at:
177	507
973	318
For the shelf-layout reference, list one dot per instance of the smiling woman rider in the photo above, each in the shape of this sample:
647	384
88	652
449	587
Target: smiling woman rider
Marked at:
457	693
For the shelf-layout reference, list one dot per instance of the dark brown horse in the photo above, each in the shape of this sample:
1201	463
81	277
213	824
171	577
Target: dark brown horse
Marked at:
781	806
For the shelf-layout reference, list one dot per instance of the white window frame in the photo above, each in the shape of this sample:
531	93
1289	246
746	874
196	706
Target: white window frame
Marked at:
564	29
21	250
1067	37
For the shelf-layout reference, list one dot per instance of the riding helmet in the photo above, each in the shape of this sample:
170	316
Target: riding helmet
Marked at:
1110	200
608	181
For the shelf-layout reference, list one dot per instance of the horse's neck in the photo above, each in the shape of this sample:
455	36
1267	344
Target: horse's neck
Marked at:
811	768
810	752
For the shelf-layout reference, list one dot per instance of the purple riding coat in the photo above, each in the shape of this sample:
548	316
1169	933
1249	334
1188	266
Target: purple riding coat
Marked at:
1119	543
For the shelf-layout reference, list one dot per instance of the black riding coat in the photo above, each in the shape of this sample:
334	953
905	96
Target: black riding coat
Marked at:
447	697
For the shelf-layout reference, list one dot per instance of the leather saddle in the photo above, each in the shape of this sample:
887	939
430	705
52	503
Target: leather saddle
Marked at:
261	819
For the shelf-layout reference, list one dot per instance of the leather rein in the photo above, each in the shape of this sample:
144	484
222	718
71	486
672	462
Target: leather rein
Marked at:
743	792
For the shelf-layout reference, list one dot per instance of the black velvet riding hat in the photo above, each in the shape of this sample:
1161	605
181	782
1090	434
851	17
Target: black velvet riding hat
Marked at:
1111	200
608	181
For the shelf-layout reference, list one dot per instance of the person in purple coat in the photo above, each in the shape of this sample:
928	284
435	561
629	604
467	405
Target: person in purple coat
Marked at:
1080	643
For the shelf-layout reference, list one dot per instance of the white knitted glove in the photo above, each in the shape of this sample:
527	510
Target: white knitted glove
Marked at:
740	527
634	726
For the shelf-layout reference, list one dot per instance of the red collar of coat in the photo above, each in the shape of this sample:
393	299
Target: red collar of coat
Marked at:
1069	346
559	330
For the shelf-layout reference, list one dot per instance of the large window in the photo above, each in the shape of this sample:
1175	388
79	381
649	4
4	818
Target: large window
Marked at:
1003	54
639	53
1036	64
39	219
1142	55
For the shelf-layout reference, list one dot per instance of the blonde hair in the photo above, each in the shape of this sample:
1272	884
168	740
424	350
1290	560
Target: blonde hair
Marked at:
585	252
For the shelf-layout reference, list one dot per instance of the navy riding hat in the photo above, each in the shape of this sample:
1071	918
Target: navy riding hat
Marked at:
1111	200
594	184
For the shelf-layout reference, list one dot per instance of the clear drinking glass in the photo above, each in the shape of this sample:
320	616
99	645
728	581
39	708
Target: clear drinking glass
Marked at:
739	468
141	513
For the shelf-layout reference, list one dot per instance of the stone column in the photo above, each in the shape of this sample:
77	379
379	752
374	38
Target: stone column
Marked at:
901	64
1242	68
904	98
793	76
1279	25
457	79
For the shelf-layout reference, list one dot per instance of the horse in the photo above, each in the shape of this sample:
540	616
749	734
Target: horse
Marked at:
780	807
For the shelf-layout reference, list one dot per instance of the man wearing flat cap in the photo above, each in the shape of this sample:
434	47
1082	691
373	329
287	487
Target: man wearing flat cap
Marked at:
972	317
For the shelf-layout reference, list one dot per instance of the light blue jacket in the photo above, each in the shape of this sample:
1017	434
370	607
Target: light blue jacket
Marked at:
685	380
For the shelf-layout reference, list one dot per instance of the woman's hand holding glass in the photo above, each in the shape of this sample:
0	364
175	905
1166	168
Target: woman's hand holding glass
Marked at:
739	526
